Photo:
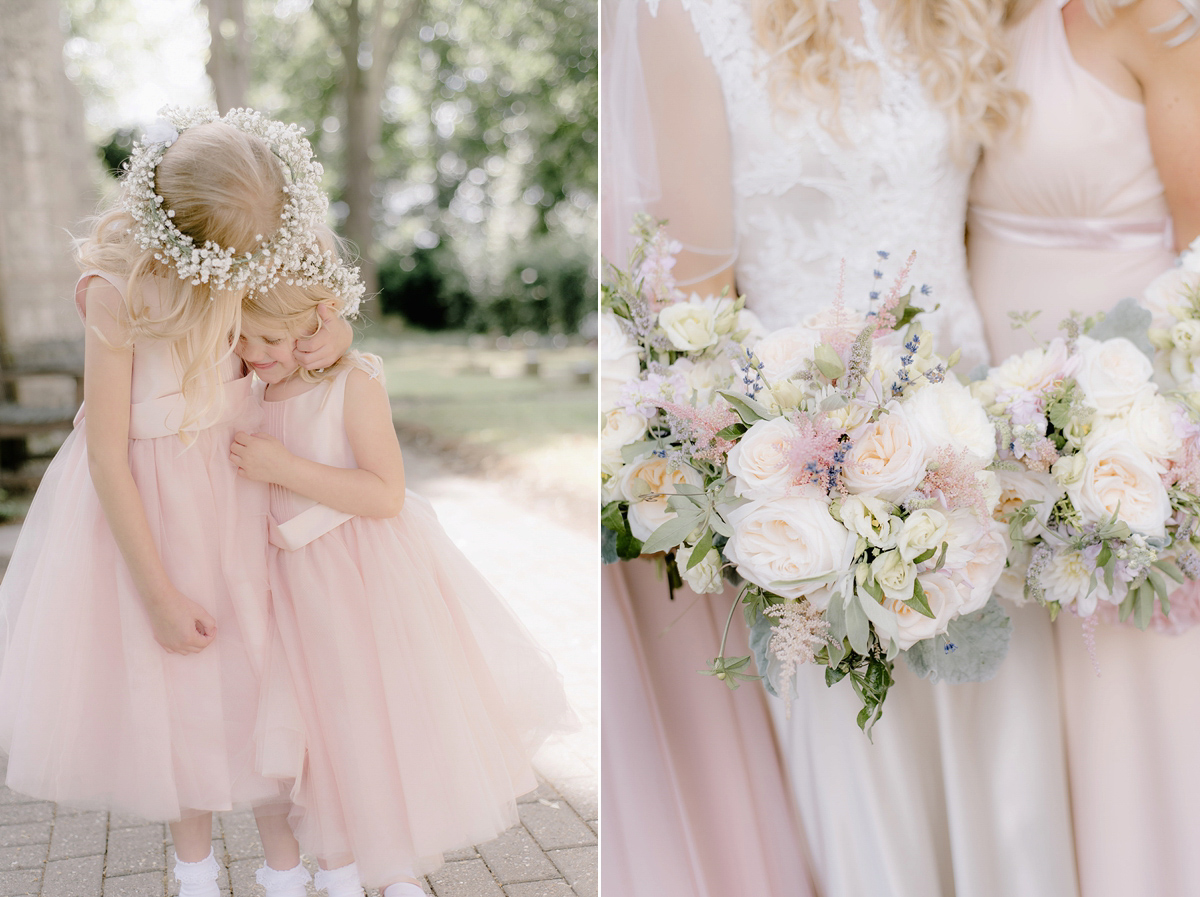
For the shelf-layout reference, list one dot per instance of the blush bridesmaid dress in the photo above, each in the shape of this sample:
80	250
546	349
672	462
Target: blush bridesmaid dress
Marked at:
1069	214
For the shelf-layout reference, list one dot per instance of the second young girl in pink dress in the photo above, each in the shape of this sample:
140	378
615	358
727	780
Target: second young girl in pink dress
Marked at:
402	695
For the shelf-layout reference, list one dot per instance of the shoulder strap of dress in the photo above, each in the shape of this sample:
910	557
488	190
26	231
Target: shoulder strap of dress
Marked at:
1185	23
119	283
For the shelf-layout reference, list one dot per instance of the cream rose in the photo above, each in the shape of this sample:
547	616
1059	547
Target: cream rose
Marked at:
1166	291
704	377
790	539
912	625
705	577
619	360
620	429
888	458
872	519
984	567
760	460
1033	371
690	326
1017	486
1119	476
786	352
949	415
1150	422
1112	373
894	574
647	484
1011	584
924	529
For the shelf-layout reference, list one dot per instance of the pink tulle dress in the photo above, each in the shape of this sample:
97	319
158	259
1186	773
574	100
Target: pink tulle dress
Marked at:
93	712
403	696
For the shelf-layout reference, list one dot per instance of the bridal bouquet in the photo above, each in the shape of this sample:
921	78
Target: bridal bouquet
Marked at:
836	470
1100	474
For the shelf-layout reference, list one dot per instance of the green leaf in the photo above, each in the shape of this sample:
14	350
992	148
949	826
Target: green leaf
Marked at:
919	602
732	432
1104	556
1157	583
633	451
924	556
608	546
701	550
1170	569
941	561
1110	571
673	531
829	363
1144	607
747	409
858	627
834	675
1127	605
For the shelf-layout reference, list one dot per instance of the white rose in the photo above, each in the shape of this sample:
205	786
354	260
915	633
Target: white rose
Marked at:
703	377
747	323
652	477
787	394
1151	423
985	566
1119	476
924	529
1017	486
1186	336
1068	469
705	577
1165	291
894	574
948	414
620	429
789	539
831	318
912	625
760	460
786	352
619	359
886	362
872	519
888	458
989	485
692	325
1111	373
1033	371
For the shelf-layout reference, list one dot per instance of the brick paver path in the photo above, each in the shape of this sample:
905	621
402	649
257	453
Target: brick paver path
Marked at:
53	851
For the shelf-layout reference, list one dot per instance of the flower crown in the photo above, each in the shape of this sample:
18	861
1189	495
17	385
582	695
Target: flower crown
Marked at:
292	254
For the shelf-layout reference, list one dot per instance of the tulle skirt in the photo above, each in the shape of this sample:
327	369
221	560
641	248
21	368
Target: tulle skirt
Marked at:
93	712
403	696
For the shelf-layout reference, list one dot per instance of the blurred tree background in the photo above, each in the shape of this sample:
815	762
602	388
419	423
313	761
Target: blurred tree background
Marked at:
459	137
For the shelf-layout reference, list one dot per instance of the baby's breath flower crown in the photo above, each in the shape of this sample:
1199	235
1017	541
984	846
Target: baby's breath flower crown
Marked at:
291	255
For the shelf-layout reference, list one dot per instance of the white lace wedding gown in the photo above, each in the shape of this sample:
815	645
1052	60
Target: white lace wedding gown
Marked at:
879	818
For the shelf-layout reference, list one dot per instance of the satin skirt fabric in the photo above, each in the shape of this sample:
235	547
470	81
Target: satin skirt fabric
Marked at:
695	801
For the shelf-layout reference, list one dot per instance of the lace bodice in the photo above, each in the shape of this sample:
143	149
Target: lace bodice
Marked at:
804	200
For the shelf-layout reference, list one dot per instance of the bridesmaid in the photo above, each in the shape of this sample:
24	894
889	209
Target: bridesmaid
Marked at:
1082	206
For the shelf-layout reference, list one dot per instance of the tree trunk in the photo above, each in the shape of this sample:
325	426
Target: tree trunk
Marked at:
47	187
362	130
229	53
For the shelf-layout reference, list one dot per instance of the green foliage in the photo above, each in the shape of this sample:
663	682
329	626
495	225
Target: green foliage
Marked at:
117	151
427	288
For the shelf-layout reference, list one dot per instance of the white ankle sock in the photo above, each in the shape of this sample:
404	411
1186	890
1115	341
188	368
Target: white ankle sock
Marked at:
198	879
403	889
283	882
340	882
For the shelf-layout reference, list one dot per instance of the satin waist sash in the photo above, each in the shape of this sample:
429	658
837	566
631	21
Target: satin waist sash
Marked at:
1106	234
307	526
163	416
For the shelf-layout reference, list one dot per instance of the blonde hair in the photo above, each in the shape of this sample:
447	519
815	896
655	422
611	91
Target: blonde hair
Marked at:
293	309
958	48
223	185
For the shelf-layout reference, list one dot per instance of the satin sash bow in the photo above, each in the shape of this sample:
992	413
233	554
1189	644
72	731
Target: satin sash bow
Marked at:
307	526
1107	234
160	417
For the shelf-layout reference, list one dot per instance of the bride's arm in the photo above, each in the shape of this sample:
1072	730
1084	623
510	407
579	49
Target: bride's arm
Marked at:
667	149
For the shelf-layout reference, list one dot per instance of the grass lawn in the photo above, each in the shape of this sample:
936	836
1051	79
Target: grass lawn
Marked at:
468	395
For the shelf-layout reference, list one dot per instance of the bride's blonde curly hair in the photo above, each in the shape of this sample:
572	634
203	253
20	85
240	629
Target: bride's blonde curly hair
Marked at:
223	185
958	48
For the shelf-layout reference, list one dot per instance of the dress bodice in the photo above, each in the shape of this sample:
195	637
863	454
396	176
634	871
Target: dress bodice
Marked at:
1067	210
806	198
1081	151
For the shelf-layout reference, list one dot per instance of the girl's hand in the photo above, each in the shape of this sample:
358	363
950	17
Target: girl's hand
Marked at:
328	344
181	625
260	457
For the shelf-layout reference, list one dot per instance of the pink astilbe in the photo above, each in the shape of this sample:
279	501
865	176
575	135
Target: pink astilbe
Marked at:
658	281
886	320
1185	475
952	480
701	426
800	632
817	452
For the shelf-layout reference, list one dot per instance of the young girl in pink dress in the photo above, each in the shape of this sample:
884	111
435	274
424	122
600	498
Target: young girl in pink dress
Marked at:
402	695
135	608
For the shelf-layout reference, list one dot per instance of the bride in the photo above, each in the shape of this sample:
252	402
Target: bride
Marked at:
779	138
